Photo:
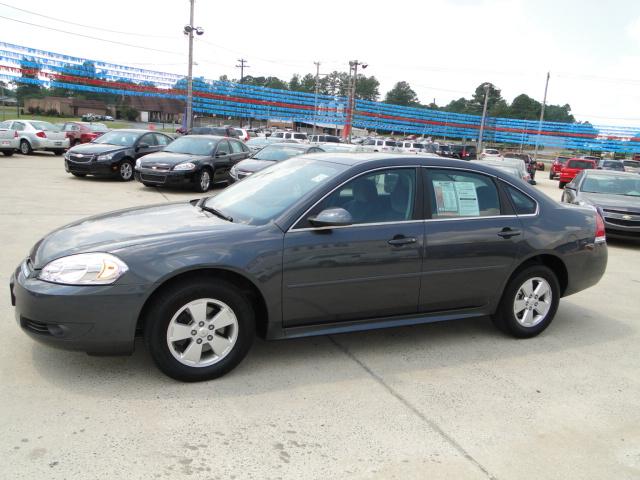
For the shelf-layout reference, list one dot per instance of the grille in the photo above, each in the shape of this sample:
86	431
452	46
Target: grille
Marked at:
625	223
35	327
78	168
80	159
145	177
620	212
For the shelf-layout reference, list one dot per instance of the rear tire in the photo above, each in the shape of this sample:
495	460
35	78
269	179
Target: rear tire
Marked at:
25	147
561	184
551	176
529	302
58	152
210	352
7	153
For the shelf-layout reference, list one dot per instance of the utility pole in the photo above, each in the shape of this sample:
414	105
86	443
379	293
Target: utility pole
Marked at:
544	102
351	102
484	115
315	100
190	71
242	66
2	99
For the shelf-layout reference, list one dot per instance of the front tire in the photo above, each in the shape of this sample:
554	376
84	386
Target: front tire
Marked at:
200	330
25	147
529	302
125	170
202	181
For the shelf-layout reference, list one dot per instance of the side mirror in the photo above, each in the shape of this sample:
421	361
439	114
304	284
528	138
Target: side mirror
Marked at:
142	146
570	186
332	217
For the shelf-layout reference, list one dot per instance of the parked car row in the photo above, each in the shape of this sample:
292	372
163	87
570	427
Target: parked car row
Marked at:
32	135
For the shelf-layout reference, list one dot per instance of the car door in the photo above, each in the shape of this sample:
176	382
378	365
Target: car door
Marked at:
146	144
223	161
162	140
237	152
472	240
368	269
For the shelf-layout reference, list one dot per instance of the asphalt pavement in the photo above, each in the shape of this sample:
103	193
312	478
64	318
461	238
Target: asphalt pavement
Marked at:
454	400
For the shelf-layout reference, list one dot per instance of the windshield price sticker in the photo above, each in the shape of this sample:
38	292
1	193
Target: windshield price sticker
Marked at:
459	198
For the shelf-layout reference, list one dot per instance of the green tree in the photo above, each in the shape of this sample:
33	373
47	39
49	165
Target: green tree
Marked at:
367	88
294	83
476	103
402	94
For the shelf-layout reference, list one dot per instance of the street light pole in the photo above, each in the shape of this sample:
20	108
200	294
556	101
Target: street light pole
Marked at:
190	70
315	99
484	115
544	102
242	66
351	101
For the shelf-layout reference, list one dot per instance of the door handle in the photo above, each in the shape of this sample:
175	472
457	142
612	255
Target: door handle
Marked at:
399	240
507	232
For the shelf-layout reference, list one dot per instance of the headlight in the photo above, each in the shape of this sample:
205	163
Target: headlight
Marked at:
84	269
106	156
234	172
185	166
138	163
66	155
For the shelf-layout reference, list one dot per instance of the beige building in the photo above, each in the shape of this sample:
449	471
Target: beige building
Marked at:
71	107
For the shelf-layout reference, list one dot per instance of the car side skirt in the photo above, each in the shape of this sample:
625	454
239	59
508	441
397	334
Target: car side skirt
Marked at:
377	323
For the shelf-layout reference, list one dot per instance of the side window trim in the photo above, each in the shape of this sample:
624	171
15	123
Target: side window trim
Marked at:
537	210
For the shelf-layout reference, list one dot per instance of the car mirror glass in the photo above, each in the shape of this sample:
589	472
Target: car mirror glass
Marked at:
332	217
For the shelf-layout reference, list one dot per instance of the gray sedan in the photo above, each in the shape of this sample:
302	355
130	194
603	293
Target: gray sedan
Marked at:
317	244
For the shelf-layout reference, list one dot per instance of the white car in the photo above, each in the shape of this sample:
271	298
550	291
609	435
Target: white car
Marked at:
9	141
488	153
242	134
516	162
37	135
409	146
298	136
379	145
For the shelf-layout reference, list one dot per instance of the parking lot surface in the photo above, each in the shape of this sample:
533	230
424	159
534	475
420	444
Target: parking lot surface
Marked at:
449	400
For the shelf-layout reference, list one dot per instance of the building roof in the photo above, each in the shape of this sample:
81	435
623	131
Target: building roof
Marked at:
82	103
155	104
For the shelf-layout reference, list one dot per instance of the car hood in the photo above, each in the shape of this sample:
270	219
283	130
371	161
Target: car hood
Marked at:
125	228
251	165
96	148
605	200
169	158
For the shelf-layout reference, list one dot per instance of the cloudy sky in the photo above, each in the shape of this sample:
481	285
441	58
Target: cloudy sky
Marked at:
443	48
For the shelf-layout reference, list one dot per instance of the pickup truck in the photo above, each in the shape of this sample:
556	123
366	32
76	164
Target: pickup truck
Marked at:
9	141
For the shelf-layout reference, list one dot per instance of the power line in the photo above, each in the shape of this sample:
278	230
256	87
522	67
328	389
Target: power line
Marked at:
85	26
92	38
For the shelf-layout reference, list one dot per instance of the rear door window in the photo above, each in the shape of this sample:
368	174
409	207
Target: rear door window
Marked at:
223	147
236	147
522	203
458	194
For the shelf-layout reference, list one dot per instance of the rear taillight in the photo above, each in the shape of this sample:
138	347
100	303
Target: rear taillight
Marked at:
600	231
41	135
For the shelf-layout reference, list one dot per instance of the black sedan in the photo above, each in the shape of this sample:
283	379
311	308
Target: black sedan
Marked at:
616	195
314	245
114	153
197	161
267	156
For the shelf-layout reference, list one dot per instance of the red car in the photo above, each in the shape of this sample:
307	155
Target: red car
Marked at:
556	167
573	167
82	132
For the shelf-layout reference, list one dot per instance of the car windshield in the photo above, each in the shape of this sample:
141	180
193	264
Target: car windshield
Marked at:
562	160
45	126
118	137
275	153
582	164
612	184
98	127
263	196
192	145
613	165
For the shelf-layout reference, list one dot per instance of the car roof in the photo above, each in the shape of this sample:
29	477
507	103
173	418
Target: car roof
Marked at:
610	172
210	137
301	146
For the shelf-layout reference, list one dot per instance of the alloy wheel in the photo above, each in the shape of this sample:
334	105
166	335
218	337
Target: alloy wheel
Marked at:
205	180
202	332
126	171
532	302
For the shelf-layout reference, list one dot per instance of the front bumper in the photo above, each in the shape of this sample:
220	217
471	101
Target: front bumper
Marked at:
108	168
165	177
621	224
100	320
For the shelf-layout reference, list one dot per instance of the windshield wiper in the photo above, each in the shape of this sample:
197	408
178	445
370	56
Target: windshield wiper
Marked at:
215	211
